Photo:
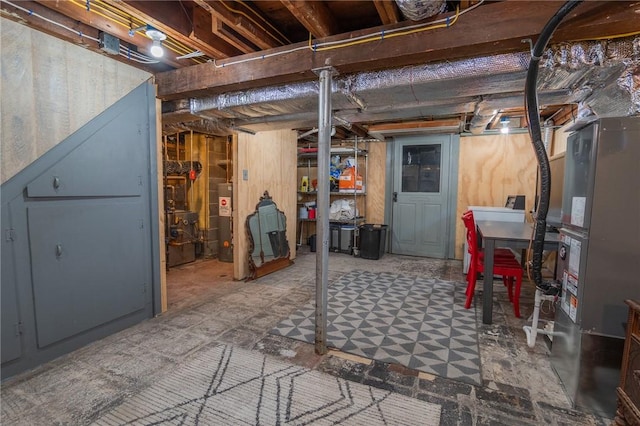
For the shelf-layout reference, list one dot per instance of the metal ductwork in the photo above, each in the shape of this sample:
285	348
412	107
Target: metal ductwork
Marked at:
570	73
417	10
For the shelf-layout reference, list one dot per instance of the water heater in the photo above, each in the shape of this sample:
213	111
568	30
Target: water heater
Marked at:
225	222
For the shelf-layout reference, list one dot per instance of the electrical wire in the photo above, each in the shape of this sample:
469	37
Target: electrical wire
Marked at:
611	37
380	35
32	13
395	32
129	54
121	18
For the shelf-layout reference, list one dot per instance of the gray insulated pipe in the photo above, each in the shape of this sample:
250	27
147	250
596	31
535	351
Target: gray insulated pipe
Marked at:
531	102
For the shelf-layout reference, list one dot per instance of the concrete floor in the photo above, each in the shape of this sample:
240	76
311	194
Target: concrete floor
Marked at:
206	306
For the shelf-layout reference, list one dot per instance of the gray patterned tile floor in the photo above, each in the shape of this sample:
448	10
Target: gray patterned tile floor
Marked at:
208	309
412	321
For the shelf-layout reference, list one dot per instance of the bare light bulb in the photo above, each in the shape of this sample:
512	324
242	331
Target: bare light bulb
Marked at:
156	49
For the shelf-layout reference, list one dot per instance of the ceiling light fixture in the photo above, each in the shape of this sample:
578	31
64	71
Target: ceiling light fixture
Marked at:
505	125
156	36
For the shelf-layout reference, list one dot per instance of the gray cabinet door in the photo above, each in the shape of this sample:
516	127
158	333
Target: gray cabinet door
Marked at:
89	263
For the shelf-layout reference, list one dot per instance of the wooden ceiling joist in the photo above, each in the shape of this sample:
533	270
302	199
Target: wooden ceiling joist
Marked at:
314	15
172	19
388	11
412	125
241	23
227	33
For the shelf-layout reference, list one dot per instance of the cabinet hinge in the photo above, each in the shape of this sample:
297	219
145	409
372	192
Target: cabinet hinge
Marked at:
19	328
9	234
141	224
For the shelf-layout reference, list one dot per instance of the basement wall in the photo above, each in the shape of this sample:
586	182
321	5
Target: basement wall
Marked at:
50	88
491	168
269	159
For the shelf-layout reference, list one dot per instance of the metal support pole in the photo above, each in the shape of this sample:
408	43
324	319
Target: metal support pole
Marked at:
322	208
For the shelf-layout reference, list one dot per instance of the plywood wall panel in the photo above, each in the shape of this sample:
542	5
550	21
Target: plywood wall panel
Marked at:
491	168
51	88
269	159
376	176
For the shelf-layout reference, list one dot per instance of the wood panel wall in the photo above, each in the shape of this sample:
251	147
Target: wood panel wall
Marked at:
491	168
51	88
270	161
376	175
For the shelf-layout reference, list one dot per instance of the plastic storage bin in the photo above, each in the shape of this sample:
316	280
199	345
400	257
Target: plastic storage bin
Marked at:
372	241
346	238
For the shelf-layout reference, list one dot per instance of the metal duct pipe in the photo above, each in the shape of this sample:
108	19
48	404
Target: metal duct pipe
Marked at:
206	126
417	10
481	118
383	95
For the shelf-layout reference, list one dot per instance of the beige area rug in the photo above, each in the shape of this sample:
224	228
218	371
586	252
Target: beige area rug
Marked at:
223	385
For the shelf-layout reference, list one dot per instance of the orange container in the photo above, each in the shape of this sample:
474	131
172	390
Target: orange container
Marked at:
350	180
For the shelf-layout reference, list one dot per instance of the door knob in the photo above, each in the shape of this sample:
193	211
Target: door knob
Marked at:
58	250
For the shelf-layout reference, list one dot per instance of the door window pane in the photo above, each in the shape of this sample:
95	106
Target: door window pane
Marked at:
421	168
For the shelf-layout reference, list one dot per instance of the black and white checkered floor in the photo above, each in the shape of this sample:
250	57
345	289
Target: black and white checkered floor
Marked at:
417	322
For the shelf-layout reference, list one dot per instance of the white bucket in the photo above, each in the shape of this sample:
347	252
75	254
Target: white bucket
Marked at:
304	213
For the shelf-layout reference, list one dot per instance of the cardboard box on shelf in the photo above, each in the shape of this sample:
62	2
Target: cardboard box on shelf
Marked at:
350	180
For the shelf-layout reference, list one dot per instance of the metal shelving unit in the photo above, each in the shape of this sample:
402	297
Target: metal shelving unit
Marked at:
308	160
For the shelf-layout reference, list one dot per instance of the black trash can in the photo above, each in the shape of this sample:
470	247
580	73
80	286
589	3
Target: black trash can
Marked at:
312	242
372	241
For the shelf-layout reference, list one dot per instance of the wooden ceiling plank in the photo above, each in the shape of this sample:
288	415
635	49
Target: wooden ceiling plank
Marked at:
174	23
224	31
414	125
388	11
204	27
79	13
504	25
314	15
594	18
253	33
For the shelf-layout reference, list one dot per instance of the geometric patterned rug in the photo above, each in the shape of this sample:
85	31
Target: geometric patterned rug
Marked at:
223	385
417	322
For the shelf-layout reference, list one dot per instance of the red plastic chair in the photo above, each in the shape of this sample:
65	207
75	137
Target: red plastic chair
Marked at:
500	254
505	265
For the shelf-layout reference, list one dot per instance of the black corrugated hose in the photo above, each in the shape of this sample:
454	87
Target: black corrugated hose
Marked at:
531	102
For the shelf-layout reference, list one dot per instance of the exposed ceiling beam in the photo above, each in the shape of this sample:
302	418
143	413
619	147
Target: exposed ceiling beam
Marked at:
388	11
172	19
241	22
413	125
314	15
503	27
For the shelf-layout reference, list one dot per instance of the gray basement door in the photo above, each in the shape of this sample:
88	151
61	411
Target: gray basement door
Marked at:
80	246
